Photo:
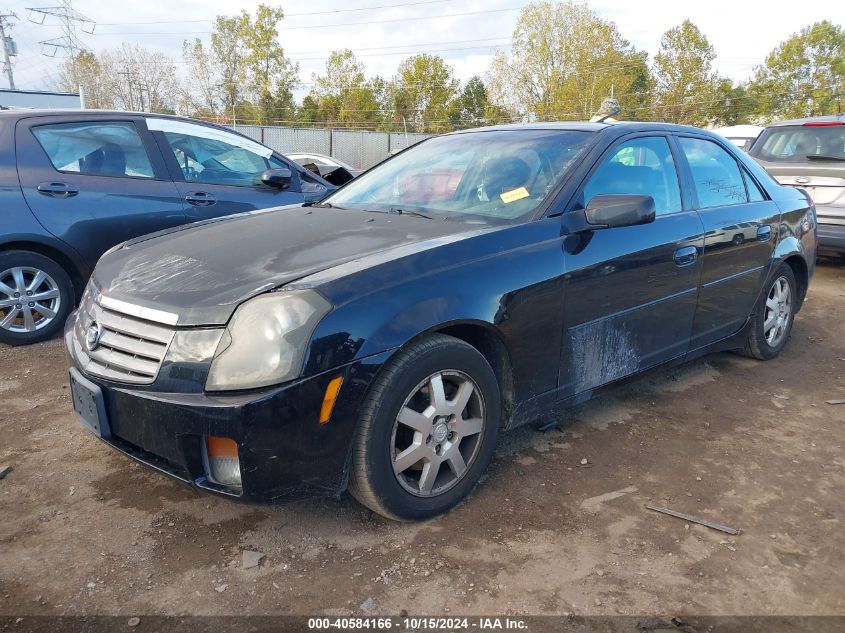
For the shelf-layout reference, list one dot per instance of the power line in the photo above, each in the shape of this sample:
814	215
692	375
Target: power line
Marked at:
69	18
328	26
287	15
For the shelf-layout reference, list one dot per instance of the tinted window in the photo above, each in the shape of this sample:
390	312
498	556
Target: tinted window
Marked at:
802	144
477	177
206	154
643	166
718	181
754	192
96	148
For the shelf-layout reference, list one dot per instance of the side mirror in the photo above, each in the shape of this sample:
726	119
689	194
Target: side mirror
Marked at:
277	178
609	211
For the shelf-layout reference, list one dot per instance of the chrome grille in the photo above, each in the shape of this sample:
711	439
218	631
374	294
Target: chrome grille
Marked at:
127	348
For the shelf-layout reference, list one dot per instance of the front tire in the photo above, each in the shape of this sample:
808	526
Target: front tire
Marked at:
428	429
36	295
773	316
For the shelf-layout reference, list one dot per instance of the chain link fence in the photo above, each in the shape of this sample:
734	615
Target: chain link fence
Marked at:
357	148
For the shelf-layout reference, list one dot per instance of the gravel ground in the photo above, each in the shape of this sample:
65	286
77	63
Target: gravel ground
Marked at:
84	530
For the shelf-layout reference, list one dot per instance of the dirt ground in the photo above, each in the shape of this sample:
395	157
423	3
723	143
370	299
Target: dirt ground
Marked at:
84	530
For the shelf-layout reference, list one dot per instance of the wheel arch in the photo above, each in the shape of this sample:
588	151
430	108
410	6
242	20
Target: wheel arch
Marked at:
802	275
77	276
490	344
790	251
488	341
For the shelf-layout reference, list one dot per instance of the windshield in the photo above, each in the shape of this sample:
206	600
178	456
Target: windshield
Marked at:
802	144
476	177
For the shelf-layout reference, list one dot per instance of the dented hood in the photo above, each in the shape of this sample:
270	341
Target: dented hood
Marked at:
201	272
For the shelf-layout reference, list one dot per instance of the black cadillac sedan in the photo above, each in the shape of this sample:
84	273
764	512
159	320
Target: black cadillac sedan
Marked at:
382	339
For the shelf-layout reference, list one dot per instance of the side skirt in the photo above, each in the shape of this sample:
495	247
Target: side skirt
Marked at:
548	406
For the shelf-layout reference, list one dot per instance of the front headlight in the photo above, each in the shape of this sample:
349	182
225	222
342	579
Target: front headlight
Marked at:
265	341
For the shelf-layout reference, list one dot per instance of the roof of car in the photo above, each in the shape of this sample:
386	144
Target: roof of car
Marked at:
35	112
811	119
628	126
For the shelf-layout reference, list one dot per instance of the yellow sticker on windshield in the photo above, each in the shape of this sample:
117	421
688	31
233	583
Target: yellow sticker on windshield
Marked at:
514	194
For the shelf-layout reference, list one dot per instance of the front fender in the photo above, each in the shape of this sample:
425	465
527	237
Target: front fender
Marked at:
510	284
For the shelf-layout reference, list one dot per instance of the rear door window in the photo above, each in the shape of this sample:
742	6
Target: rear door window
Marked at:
715	173
755	194
98	148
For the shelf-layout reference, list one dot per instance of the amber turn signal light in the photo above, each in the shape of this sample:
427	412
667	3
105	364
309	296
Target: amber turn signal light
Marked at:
224	467
329	399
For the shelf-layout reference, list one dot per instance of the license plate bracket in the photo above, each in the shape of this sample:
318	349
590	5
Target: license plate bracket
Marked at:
89	404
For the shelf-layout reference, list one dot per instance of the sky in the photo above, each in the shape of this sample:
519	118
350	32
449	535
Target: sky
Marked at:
383	32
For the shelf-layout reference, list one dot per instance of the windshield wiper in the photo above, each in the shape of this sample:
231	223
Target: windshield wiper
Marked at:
416	214
824	157
324	205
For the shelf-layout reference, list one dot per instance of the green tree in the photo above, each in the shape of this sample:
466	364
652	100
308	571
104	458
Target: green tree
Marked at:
803	76
227	50
270	75
83	72
564	60
423	93
344	96
686	83
308	111
473	108
732	104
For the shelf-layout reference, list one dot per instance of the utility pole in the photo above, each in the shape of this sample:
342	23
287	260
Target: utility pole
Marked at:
9	47
69	18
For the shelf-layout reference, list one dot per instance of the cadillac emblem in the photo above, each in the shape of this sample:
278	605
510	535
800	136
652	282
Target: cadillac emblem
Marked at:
93	335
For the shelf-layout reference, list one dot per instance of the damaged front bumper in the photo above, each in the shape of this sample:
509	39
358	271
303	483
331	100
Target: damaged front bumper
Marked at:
284	451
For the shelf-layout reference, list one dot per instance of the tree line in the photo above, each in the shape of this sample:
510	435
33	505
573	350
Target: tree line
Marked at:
565	59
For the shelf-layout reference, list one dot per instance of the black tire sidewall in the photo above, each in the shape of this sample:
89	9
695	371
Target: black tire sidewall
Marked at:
11	259
393	496
766	350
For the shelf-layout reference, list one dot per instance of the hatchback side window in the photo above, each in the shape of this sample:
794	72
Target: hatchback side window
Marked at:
99	148
208	155
643	166
715	173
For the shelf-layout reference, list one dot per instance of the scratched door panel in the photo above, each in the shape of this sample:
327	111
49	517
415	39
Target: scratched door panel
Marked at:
629	305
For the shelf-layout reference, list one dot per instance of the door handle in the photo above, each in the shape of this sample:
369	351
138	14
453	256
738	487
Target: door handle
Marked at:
200	199
57	190
764	233
686	255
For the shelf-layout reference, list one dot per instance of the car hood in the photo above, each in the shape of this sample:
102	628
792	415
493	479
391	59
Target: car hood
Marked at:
201	272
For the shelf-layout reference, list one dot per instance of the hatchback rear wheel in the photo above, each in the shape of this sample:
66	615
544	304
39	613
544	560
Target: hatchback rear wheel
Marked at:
36	295
428	430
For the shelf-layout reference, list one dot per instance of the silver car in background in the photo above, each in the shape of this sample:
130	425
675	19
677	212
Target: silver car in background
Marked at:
743	136
810	154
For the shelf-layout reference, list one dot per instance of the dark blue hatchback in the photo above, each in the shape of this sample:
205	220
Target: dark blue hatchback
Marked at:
75	183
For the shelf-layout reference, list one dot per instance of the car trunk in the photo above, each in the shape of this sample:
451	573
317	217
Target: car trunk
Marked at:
824	182
793	154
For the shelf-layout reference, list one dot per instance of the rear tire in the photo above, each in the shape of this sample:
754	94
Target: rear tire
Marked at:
773	316
36	296
428	428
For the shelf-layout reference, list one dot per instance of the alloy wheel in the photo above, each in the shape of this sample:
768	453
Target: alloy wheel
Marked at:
29	299
777	312
437	433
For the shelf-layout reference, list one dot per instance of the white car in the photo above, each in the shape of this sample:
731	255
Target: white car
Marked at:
325	164
740	135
